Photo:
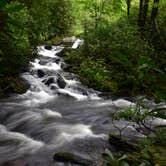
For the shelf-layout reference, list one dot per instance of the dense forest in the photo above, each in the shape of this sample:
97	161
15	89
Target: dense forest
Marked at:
124	47
124	42
123	55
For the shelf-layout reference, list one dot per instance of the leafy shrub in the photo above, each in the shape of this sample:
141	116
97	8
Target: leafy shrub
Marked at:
14	39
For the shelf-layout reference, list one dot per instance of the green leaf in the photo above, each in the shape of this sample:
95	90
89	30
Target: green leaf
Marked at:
123	163
3	3
142	164
14	8
122	158
110	154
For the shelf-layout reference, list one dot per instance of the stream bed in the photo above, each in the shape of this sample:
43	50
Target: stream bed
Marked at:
56	114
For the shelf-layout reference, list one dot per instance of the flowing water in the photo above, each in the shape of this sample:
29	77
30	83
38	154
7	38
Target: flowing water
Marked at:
56	114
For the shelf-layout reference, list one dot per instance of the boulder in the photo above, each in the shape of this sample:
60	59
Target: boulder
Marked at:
66	157
69	39
50	80
122	144
40	73
77	43
48	47
61	83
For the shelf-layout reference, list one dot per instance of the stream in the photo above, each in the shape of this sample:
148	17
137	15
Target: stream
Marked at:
56	114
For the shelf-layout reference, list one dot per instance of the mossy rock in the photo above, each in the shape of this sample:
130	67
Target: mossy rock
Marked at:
9	85
54	40
121	144
66	157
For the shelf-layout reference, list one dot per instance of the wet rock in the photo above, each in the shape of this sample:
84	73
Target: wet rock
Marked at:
34	88
67	67
48	47
61	83
65	96
69	39
81	89
44	80
57	60
40	73
122	144
64	66
66	157
26	83
61	53
10	85
70	76
77	44
50	80
53	87
43	62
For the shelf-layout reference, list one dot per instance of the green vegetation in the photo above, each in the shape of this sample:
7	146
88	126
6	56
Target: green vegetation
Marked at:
123	54
149	151
112	160
149	156
124	47
23	25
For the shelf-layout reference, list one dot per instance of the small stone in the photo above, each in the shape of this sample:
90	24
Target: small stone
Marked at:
40	73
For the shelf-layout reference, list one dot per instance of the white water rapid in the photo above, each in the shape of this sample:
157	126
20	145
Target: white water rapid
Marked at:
57	113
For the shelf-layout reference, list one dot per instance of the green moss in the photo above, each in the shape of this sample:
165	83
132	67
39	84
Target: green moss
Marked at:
9	85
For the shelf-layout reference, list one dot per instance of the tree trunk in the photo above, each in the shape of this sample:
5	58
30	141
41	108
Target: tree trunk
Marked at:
128	7
1	21
143	11
140	13
154	10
